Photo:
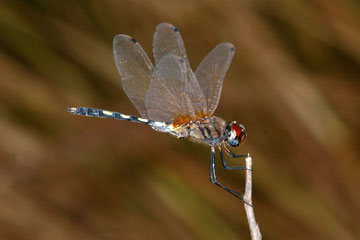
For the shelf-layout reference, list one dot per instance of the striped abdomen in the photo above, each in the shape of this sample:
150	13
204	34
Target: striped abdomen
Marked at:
93	112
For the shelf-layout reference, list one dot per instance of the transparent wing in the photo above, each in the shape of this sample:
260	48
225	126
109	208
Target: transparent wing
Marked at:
135	69
167	41
168	96
196	95
211	72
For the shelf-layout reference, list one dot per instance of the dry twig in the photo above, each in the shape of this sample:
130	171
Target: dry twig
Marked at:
254	227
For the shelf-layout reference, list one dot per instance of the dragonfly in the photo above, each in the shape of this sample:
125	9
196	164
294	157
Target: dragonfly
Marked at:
171	98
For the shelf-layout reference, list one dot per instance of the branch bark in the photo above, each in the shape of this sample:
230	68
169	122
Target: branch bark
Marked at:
249	208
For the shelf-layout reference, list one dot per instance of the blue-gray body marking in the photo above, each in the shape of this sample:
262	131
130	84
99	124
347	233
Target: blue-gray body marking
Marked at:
94	112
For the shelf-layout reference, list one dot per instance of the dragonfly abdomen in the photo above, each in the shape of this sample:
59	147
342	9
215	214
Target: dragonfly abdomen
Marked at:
93	112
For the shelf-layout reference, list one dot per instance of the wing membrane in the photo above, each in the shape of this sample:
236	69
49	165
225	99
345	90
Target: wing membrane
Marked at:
196	95
168	41
135	69
168	95
211	72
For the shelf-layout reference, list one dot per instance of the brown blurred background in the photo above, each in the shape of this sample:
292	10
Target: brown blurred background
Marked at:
294	83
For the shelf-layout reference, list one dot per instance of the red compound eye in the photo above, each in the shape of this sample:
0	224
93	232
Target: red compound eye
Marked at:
238	130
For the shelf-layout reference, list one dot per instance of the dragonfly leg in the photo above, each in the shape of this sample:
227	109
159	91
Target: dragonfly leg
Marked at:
214	180
232	154
230	167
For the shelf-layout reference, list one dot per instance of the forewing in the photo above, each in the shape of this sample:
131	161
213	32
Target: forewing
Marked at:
211	72
167	41
167	97
135	69
196	95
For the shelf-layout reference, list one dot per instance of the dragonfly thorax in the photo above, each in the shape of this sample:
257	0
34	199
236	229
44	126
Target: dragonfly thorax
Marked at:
206	130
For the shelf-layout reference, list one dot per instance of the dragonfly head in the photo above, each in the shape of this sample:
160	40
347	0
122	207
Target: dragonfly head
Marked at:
235	134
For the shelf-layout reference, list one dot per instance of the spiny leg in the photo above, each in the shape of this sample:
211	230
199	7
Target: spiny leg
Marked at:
229	167
232	154
214	180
